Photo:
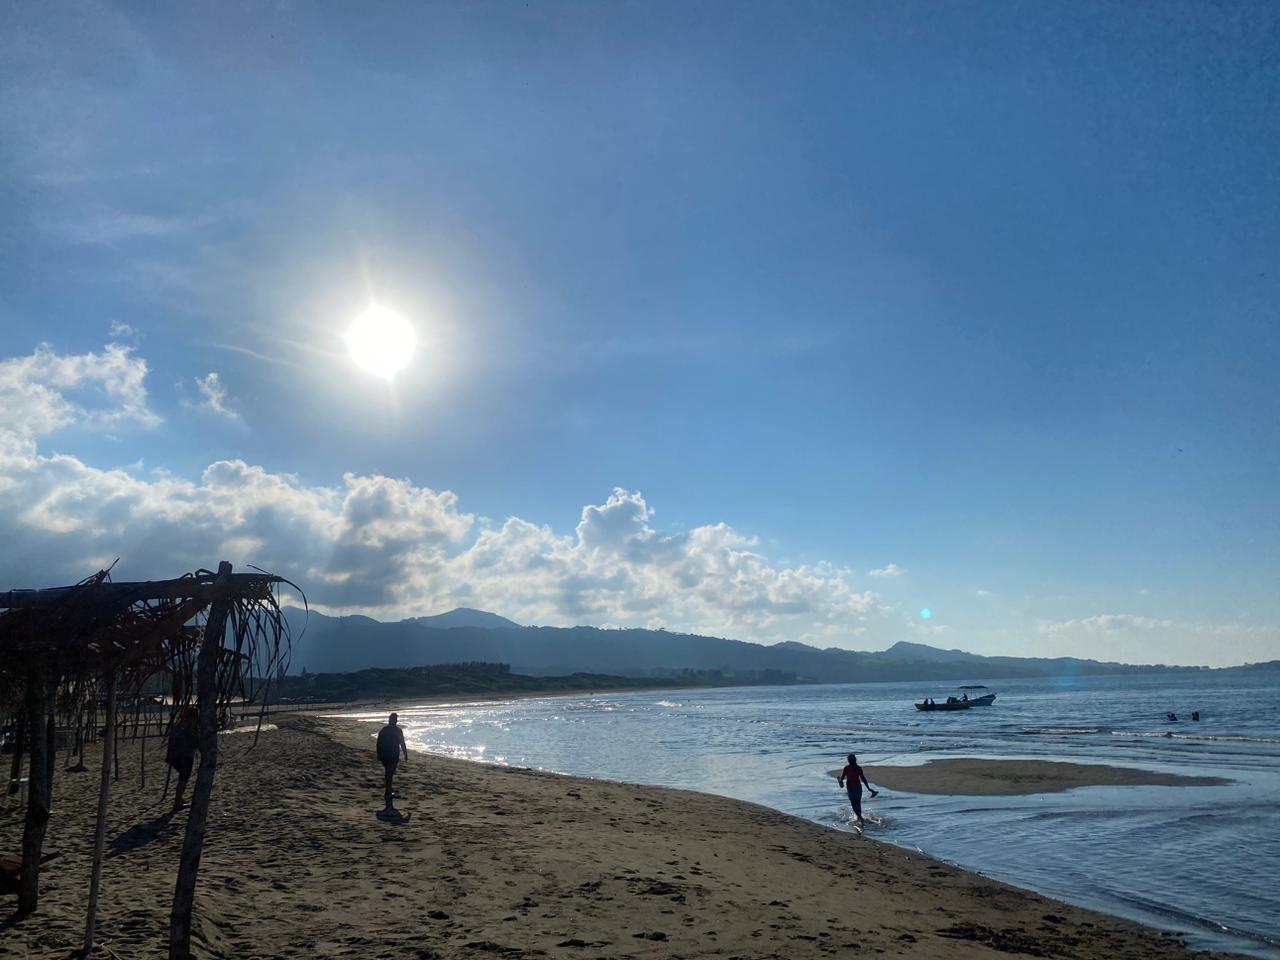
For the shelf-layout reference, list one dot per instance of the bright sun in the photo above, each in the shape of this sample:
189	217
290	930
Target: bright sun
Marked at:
381	341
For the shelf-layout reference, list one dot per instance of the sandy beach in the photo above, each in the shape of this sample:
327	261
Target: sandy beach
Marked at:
991	778
486	861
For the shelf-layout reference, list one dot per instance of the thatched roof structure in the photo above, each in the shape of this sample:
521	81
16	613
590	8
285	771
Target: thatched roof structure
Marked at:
97	625
201	639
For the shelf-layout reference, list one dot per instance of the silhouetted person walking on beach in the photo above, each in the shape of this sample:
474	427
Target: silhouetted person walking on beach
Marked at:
184	735
851	778
390	745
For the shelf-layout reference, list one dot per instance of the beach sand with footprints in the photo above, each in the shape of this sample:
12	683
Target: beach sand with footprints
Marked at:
488	862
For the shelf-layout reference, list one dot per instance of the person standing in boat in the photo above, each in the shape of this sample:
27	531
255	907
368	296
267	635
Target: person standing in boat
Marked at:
852	777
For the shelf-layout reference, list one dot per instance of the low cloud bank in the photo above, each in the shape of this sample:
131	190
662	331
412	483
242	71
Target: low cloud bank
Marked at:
371	543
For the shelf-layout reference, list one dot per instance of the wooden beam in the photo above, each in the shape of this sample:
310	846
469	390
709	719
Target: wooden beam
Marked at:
197	818
37	820
205	588
100	832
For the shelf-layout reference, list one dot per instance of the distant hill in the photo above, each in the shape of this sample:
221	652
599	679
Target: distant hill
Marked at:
908	652
466	617
346	644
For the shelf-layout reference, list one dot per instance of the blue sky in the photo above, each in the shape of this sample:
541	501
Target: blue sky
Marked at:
721	308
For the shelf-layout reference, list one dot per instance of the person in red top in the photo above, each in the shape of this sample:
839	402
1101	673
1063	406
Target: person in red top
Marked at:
849	779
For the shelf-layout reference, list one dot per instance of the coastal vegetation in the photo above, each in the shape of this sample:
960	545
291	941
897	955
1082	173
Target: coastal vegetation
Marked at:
477	678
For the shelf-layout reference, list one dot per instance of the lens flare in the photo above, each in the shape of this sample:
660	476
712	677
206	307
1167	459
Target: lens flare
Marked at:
926	614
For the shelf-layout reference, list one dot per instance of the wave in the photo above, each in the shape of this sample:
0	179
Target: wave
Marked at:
1170	735
1194	919
1063	731
669	703
1077	815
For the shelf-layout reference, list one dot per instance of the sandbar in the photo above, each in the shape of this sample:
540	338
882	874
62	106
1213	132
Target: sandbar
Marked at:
971	776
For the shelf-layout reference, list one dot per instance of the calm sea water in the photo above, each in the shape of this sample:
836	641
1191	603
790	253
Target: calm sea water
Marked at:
1202	861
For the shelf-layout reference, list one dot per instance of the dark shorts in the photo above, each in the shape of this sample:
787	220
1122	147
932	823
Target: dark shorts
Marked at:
183	766
390	765
855	800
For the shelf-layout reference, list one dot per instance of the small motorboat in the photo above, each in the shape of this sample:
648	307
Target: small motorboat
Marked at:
985	700
951	704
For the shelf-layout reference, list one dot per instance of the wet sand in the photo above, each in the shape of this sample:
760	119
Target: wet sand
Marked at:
489	862
991	778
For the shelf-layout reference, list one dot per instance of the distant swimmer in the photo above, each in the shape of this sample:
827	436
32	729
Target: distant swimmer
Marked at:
390	745
849	779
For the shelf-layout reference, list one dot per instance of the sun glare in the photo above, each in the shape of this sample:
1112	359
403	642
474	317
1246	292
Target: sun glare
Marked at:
381	341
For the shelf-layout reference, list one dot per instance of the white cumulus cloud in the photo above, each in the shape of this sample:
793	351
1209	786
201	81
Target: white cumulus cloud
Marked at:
891	570
46	391
371	543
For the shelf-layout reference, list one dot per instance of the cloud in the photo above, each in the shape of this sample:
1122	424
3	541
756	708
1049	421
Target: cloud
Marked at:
108	226
1103	623
928	629
1138	639
371	543
892	570
616	568
389	547
214	398
45	392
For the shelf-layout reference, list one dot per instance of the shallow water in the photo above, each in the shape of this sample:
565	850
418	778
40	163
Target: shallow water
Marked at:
1202	861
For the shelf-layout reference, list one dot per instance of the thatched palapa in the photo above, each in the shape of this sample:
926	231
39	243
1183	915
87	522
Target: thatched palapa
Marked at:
157	646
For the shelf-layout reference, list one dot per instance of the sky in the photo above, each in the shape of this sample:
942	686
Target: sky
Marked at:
845	323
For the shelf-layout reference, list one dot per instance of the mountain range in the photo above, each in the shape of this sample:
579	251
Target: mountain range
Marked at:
344	644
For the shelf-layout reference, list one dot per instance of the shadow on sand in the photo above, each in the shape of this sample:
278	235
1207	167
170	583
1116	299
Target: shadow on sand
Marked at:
141	834
390	814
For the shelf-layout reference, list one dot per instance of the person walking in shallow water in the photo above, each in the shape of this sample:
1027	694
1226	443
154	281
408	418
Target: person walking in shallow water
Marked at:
390	745
851	778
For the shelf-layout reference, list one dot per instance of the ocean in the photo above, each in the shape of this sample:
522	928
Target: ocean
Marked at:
1202	861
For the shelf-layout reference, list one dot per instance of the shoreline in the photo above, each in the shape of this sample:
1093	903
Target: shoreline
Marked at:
486	861
943	776
397	703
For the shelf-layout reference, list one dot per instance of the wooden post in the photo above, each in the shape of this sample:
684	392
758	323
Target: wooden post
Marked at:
197	818
78	747
115	759
19	750
38	798
100	833
51	737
